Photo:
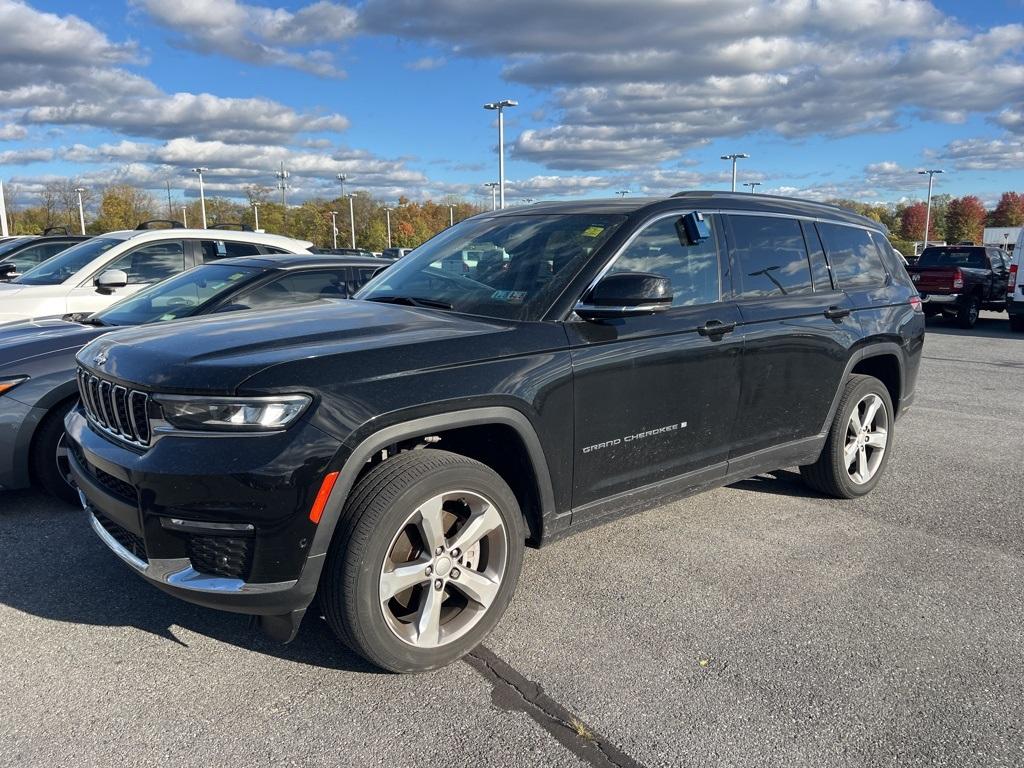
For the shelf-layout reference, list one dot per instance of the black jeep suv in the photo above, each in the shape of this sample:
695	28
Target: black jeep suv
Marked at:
525	374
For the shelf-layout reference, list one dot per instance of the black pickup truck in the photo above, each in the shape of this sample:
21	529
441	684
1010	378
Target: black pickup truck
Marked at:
961	280
393	455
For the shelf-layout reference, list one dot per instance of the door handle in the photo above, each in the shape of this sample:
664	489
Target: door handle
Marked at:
835	313
716	328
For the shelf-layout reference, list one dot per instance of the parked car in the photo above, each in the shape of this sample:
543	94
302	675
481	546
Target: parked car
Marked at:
396	453
1015	287
346	252
98	272
22	254
396	253
960	281
37	359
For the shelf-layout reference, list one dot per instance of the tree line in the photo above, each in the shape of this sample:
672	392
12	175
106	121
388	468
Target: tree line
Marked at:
121	206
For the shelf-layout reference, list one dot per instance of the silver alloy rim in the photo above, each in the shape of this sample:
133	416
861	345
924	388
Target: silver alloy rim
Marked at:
63	462
867	435
973	311
443	569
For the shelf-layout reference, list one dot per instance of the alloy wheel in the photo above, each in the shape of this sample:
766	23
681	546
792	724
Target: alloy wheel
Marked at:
867	435
443	569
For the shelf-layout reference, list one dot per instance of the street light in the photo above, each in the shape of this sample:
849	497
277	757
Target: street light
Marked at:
334	228
734	157
202	196
352	217
752	184
81	210
494	194
387	214
928	211
500	107
451	215
342	178
256	215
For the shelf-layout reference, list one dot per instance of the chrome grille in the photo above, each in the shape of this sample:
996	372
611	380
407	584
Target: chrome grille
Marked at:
115	409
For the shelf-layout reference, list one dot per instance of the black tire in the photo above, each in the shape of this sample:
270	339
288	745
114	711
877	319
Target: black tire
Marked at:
967	313
377	510
829	474
47	472
1017	323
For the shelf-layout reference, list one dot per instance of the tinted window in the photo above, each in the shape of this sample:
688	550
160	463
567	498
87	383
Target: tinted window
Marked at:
68	263
298	288
855	260
819	267
10	245
692	269
151	263
769	256
29	257
953	257
223	249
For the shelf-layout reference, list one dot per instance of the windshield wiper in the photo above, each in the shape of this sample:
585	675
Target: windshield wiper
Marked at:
412	301
84	318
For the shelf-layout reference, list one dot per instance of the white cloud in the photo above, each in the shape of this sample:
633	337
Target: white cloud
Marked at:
980	154
12	132
426	63
255	34
25	156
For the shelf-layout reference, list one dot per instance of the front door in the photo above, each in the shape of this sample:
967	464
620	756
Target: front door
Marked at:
145	265
655	395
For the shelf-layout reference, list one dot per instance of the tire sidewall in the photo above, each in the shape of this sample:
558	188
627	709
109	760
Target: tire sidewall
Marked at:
44	456
862	386
376	636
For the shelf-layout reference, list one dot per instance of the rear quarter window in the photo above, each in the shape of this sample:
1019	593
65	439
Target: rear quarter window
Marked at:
855	261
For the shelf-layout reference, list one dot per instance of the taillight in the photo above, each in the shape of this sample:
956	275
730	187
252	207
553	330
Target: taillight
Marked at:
915	303
958	279
1013	279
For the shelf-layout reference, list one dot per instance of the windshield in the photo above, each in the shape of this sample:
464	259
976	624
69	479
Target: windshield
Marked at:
9	245
67	263
953	257
180	296
509	267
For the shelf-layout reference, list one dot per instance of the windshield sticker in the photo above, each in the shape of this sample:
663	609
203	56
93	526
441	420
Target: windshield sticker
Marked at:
593	231
509	297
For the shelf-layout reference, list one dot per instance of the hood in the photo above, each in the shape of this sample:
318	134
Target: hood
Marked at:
217	354
21	342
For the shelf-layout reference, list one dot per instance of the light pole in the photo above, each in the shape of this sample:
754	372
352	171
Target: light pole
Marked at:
256	215
494	194
352	217
451	215
342	178
184	216
928	211
334	228
752	184
734	157
387	214
202	195
622	193
500	107
81	210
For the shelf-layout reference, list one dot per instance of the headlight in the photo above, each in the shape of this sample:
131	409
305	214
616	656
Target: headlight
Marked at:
241	414
6	385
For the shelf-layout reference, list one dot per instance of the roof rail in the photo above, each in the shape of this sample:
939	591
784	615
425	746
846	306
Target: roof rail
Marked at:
55	231
170	224
235	225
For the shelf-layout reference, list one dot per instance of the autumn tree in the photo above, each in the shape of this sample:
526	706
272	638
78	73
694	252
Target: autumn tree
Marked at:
965	220
123	207
1009	211
912	223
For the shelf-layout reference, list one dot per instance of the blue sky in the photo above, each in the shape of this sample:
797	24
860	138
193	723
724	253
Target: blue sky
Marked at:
830	98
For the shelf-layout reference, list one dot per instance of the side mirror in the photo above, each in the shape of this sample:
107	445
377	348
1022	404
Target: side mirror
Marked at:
112	279
626	294
8	271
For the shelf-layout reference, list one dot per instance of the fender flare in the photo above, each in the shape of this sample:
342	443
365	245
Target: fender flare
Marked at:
382	438
873	349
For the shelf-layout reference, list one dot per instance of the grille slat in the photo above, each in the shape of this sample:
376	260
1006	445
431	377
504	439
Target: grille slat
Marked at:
115	409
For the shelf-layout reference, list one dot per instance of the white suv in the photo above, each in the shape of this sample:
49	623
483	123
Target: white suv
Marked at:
1015	286
94	274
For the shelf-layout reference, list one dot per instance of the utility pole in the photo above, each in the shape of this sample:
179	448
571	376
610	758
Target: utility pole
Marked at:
342	178
928	211
282	184
387	214
734	157
170	208
500	107
81	209
334	228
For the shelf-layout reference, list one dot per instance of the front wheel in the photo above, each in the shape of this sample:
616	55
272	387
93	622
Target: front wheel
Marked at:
49	457
424	561
859	442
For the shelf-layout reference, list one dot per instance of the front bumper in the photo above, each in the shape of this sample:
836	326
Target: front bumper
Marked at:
241	534
1015	306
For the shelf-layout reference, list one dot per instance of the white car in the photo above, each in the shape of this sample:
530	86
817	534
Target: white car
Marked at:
96	273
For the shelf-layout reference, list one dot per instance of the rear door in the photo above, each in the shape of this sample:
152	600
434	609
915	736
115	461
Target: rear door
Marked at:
797	329
654	395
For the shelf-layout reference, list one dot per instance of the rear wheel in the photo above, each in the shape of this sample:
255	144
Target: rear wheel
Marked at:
967	314
859	442
424	561
49	458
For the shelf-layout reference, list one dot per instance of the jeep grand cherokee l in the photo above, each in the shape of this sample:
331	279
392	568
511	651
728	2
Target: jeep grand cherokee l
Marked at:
393	455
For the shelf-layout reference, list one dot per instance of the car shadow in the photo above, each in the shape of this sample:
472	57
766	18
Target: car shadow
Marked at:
54	567
995	326
782	482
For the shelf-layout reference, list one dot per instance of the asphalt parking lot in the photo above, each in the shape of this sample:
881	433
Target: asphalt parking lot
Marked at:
756	625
